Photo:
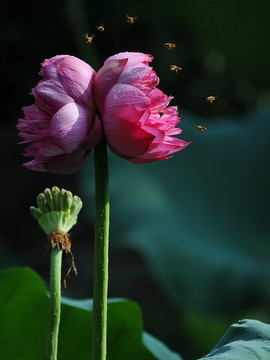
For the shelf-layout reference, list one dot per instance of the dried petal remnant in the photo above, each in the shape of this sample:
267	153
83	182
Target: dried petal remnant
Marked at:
61	241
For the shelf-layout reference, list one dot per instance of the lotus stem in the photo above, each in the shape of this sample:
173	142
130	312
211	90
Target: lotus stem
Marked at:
55	304
101	256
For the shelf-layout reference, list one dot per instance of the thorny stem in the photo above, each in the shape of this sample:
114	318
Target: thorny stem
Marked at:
101	257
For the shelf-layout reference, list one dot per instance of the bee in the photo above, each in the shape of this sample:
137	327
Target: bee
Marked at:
169	45
131	19
201	128
89	39
161	113
100	27
210	99
175	68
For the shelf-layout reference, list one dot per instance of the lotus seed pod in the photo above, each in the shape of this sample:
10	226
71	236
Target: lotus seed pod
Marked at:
57	210
55	196
65	200
35	212
76	206
42	204
49	199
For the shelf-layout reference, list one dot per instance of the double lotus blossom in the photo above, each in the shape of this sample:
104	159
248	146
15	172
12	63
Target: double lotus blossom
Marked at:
75	107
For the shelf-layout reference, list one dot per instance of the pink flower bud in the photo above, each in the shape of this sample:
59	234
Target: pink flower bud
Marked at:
138	124
62	126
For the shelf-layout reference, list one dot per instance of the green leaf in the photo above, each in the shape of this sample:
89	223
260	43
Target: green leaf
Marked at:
247	340
24	311
159	349
24	315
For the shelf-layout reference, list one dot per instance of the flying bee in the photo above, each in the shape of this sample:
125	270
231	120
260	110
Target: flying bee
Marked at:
201	128
131	19
89	39
210	99
169	45
175	68
100	27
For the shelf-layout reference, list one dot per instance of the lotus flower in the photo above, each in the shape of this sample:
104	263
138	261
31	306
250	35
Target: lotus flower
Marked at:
61	127
137	122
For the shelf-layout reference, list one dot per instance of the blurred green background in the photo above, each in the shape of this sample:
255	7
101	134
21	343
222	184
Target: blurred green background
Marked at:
189	236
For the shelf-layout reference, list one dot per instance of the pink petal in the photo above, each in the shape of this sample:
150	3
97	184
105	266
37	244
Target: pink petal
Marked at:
66	164
40	136
35	165
139	160
133	58
77	78
141	74
49	97
123	95
48	148
165	149
70	126
34	114
128	138
49	70
73	75
126	112
94	135
106	78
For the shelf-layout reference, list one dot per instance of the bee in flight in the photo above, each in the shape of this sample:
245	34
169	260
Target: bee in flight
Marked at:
89	39
100	27
210	99
131	19
175	68
169	45
201	128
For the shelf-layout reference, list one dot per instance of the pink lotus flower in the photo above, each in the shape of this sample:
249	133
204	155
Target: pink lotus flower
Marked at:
137	122
61	127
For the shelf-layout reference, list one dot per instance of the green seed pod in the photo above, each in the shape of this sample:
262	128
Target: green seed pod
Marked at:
35	212
55	196
66	200
42	204
57	210
49	200
76	205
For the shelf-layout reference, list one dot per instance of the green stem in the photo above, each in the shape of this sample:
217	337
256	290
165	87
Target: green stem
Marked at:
101	257
55	304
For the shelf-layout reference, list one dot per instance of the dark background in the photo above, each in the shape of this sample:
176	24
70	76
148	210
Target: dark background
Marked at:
189	236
